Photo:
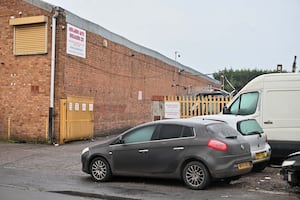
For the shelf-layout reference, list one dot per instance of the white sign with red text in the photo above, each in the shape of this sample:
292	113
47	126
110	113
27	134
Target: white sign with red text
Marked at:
76	41
172	110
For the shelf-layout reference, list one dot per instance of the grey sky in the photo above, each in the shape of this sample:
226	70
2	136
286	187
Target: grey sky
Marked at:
209	34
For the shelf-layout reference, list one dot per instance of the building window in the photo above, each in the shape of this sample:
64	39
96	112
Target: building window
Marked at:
30	35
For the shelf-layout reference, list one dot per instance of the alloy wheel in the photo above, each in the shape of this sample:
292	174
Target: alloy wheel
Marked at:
100	170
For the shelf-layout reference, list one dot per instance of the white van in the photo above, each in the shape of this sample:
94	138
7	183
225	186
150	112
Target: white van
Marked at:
274	101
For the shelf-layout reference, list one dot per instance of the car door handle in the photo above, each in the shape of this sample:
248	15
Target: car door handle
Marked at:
143	150
268	122
178	148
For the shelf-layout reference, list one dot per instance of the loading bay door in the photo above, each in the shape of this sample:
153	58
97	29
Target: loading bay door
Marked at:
76	118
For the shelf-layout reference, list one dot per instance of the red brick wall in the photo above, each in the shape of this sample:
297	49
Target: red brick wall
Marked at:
111	75
114	77
24	82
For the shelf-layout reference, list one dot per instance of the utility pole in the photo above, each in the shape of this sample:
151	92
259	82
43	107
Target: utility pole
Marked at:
294	65
222	80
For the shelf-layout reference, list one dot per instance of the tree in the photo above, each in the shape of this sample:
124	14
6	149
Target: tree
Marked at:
238	78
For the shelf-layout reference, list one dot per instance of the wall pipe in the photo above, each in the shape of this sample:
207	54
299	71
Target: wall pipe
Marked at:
51	107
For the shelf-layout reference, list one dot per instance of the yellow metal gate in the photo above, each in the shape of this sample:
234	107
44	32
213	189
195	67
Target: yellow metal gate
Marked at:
76	118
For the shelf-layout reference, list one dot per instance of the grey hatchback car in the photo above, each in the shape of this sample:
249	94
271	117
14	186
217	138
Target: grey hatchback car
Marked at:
197	152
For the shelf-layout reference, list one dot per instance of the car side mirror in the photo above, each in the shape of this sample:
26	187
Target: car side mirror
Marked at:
119	141
226	110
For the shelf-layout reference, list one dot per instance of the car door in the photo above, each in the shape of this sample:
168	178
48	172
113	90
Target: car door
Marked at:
169	147
130	156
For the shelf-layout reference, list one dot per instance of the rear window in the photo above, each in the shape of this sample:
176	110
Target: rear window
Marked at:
249	127
187	132
170	131
223	130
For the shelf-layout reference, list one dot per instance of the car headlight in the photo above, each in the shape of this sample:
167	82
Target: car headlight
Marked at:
288	163
85	150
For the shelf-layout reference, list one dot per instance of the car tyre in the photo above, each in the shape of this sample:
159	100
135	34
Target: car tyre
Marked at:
100	170
196	175
229	179
259	166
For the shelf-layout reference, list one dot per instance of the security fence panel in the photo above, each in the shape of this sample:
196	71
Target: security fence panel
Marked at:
199	105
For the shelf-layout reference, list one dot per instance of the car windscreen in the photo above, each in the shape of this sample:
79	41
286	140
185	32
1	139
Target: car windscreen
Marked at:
249	127
222	130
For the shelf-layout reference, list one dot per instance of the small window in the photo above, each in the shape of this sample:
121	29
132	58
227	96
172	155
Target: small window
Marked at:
187	132
246	104
143	134
234	108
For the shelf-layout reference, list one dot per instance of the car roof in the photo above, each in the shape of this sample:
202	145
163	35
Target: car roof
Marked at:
225	118
188	121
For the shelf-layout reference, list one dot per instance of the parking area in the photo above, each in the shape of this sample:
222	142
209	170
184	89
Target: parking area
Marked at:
58	168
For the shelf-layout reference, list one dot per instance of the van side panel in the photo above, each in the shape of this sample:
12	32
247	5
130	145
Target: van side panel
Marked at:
281	121
282	112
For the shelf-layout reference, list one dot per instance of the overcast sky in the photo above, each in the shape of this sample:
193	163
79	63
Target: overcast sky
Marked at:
208	34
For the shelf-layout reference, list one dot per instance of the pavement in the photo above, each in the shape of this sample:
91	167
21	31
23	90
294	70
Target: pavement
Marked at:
61	159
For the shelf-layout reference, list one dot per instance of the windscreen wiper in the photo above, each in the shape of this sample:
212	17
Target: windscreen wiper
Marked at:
231	137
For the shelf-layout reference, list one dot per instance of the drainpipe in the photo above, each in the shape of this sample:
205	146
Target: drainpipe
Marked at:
51	108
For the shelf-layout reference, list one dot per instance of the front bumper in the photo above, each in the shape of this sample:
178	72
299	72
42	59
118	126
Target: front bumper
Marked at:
85	162
292	176
291	169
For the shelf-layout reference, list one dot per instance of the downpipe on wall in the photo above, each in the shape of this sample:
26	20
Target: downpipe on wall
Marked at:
51	108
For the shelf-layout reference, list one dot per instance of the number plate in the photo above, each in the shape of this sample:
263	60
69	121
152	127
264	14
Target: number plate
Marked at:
244	165
260	155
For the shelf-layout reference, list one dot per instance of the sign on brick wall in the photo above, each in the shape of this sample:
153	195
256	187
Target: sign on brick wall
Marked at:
76	41
172	110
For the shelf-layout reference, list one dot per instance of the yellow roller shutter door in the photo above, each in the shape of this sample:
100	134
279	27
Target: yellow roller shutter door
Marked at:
30	39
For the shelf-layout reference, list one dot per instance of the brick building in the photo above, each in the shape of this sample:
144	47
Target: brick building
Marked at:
121	77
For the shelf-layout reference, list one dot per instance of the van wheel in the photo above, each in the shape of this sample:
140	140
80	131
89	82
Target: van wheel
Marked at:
196	176
100	170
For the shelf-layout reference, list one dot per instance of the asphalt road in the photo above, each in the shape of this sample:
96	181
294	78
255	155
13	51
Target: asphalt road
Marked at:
32	171
8	193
